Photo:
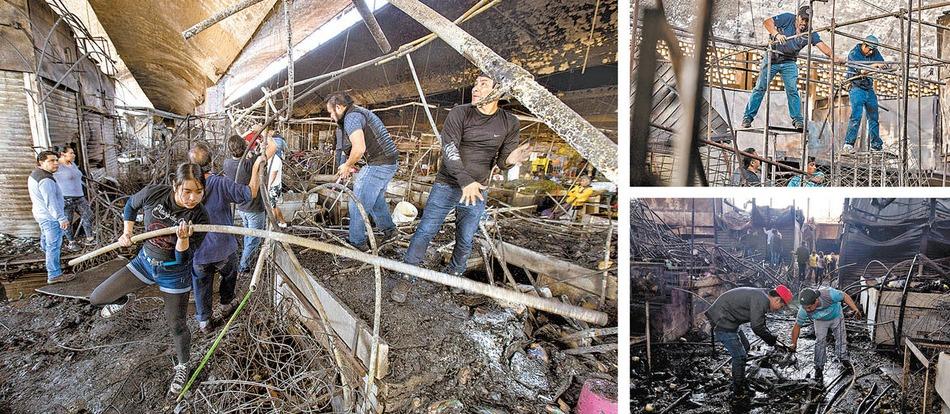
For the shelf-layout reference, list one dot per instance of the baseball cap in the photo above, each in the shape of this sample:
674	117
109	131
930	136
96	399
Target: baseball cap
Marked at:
784	293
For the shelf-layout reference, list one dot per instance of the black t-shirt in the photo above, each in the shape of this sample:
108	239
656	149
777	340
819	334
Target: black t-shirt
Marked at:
243	176
161	211
473	143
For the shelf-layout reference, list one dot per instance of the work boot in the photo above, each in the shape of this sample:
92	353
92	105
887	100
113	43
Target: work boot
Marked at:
224	310
65	277
798	124
746	123
178	381
390	235
401	291
847	149
73	246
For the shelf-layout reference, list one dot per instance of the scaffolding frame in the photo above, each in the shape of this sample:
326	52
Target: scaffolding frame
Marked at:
865	168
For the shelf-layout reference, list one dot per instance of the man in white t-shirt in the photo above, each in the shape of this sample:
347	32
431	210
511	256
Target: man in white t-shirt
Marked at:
276	150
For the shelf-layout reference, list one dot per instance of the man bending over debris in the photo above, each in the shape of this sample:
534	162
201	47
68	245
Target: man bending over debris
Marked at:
48	212
165	260
744	305
367	136
787	34
218	252
475	138
823	307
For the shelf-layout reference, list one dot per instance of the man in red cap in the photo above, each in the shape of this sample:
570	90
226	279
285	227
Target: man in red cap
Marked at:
739	306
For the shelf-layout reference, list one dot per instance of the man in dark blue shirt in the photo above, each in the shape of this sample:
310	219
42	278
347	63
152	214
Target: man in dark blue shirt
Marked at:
788	35
218	252
862	94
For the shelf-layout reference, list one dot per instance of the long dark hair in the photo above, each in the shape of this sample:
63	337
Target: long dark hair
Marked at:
186	172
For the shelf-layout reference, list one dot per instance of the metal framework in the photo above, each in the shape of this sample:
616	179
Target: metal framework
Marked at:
694	159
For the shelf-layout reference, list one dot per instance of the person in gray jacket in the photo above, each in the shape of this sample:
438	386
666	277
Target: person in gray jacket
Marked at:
739	306
48	212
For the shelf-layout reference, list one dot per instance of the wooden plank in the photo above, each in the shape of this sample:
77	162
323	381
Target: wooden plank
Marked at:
85	282
558	271
942	383
917	353
356	333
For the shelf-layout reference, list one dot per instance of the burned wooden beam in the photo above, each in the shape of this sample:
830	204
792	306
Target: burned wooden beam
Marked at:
217	17
367	14
571	127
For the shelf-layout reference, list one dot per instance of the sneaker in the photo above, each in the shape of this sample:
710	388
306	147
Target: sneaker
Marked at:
798	124
746	123
848	149
283	225
111	309
205	327
178	381
401	291
65	277
73	246
877	149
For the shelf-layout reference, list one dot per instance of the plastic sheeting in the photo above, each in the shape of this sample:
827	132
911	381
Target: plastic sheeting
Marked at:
892	230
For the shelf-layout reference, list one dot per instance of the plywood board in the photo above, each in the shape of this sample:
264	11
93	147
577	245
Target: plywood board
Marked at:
942	383
356	333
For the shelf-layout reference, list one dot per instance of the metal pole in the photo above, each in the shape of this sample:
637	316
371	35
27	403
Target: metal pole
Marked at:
422	97
805	112
920	153
290	60
367	14
834	173
768	106
217	17
686	143
587	140
905	82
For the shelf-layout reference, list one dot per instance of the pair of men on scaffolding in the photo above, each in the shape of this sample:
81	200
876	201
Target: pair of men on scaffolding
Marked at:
787	35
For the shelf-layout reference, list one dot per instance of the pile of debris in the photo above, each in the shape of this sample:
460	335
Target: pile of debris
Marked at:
692	376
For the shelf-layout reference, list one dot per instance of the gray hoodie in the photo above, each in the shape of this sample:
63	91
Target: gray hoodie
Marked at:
739	306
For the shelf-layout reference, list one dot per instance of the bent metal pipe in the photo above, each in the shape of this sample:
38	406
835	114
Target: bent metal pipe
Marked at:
535	302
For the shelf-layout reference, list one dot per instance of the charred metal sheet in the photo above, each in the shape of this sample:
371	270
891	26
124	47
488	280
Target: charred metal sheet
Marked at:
16	158
62	115
54	44
16	53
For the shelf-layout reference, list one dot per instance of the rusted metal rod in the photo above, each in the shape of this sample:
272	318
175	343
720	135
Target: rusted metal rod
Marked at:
587	140
217	17
367	14
535	302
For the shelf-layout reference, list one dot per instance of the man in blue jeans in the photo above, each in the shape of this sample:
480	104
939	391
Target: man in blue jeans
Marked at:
367	137
739	306
787	34
218	251
862	94
475	138
48	211
251	212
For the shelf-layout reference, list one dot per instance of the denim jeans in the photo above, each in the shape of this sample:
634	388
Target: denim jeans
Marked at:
78	205
789	72
821	340
51	241
369	187
251	220
202	280
738	347
864	100
442	199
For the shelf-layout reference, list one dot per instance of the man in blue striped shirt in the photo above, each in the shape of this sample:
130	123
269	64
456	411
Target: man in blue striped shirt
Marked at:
368	137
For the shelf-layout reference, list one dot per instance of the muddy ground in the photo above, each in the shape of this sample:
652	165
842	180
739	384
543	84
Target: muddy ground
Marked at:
690	367
447	348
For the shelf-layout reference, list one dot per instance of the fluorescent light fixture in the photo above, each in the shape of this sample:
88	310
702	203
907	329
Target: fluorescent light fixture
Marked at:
325	32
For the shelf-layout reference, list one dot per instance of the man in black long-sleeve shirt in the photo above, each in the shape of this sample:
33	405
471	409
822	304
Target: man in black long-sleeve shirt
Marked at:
739	306
475	139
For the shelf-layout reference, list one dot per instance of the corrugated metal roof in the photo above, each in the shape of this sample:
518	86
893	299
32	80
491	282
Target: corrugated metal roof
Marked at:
16	158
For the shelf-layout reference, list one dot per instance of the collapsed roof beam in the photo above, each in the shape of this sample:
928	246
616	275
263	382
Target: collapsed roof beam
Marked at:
367	14
217	17
571	127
